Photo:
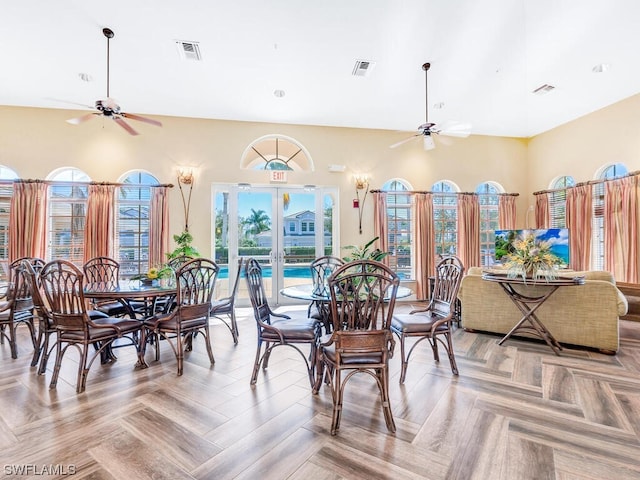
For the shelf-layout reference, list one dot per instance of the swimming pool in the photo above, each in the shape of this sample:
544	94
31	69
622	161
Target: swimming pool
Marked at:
301	271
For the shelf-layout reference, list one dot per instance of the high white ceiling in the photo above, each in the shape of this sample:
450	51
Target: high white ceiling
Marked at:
487	57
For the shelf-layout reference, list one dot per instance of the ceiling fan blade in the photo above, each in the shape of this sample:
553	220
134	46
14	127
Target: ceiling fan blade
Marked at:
125	125
402	142
455	129
82	119
142	119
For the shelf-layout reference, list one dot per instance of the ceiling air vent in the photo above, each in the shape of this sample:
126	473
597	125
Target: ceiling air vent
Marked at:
362	68
188	50
544	89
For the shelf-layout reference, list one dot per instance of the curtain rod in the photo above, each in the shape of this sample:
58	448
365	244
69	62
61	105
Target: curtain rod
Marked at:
63	182
414	192
590	182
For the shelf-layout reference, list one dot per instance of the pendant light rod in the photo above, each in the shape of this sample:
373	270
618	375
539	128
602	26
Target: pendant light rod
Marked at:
107	32
426	67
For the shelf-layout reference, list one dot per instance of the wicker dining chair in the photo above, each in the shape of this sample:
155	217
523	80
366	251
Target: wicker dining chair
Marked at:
435	321
195	282
321	270
277	329
63	285
226	306
103	273
17	309
363	295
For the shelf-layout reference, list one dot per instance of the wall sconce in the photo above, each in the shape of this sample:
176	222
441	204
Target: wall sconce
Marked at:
362	183
185	177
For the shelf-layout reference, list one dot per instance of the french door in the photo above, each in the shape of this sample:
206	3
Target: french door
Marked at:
283	227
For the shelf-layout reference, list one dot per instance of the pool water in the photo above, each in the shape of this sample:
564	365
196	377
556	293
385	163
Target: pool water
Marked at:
303	271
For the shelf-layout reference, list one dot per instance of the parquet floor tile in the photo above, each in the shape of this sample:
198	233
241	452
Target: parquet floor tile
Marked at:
516	411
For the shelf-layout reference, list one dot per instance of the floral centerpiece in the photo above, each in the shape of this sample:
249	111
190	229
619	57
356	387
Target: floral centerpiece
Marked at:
154	274
531	259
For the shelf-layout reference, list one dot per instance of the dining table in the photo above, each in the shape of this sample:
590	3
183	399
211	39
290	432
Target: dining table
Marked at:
320	296
140	299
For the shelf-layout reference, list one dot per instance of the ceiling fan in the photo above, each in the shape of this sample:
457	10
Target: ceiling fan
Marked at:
428	129
109	108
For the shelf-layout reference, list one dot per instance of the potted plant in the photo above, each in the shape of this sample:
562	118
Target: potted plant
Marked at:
364	252
184	248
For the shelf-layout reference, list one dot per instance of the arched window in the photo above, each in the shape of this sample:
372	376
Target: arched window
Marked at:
606	172
132	222
558	200
400	227
489	219
445	217
6	191
276	152
68	196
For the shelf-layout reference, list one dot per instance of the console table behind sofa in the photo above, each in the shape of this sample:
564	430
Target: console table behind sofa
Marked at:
586	316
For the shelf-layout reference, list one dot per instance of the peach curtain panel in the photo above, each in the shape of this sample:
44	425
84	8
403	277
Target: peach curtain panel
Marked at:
423	245
543	214
99	225
506	212
158	226
28	220
380	227
621	228
579	214
469	230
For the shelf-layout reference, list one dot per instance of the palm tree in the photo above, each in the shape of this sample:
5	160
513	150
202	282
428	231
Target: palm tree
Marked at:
257	222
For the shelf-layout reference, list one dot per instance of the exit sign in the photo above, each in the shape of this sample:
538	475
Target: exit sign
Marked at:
278	175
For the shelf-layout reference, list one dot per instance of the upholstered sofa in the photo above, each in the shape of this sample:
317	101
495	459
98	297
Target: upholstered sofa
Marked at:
585	315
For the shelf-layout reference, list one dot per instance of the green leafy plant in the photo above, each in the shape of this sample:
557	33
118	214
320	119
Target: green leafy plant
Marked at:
364	252
184	247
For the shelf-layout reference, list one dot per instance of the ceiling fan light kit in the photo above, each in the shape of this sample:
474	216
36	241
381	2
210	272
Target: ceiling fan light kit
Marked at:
108	107
428	129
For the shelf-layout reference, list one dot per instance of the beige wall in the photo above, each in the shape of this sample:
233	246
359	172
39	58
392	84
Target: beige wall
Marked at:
580	148
36	141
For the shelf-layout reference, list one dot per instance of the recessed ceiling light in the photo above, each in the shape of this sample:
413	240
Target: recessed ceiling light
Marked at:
601	68
85	77
279	93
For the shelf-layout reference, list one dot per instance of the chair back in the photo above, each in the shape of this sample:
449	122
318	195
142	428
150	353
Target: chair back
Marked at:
236	282
63	287
363	295
33	281
253	275
321	270
196	280
176	262
18	295
35	262
102	273
448	277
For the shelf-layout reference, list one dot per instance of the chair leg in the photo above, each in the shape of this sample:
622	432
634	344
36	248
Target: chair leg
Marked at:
37	346
179	352
337	391
256	364
452	358
403	359
12	341
207	340
383	375
83	369
234	326
56	367
44	355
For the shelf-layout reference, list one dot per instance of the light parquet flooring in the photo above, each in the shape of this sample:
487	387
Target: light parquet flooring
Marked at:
516	411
